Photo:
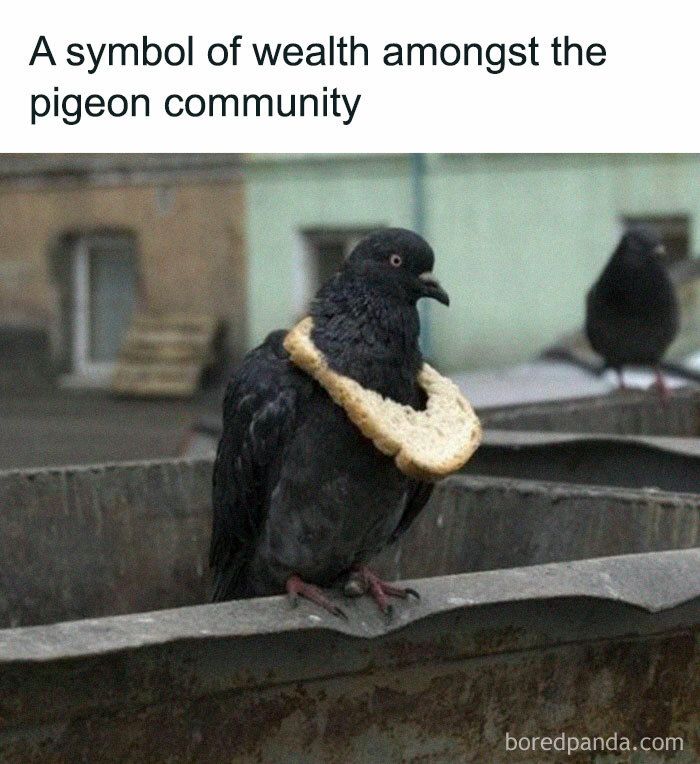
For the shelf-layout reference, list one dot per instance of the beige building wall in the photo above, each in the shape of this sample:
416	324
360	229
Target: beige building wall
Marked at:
189	236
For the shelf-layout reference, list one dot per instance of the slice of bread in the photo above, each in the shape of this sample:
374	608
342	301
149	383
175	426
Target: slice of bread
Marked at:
425	444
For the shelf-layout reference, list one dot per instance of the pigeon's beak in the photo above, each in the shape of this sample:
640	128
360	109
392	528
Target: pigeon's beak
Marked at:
430	287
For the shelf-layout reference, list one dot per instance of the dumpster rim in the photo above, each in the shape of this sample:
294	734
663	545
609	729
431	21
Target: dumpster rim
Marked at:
614	579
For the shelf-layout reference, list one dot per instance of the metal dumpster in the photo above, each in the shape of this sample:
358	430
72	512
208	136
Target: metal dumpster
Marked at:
629	439
625	412
547	610
632	461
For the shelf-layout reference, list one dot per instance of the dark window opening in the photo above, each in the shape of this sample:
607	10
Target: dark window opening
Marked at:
96	275
324	253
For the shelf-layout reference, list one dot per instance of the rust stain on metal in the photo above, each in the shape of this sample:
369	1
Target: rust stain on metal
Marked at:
447	711
446	688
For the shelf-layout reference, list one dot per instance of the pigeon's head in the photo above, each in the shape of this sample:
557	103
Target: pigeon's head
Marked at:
639	246
399	264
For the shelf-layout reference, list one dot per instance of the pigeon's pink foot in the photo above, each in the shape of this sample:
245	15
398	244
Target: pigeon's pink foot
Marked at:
365	581
297	588
662	386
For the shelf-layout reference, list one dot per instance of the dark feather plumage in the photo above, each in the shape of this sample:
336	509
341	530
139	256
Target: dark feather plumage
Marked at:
632	310
297	489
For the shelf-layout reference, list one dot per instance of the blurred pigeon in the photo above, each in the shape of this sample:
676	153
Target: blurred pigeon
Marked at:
301	498
632	310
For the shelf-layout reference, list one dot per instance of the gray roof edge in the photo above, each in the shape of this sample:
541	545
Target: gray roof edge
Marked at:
653	582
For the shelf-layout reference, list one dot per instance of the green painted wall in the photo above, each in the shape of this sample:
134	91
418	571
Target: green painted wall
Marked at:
518	238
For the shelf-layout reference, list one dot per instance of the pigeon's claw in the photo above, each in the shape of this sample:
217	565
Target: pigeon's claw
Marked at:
296	588
355	586
379	590
662	386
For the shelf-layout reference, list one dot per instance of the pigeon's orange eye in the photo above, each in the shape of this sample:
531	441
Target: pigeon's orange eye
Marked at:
396	260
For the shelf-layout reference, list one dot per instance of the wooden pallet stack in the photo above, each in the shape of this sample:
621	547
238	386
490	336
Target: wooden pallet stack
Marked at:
165	355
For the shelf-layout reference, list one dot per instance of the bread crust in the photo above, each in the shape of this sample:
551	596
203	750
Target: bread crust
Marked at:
428	444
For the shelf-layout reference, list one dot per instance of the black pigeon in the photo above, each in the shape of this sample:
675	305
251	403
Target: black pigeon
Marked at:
632	310
302	499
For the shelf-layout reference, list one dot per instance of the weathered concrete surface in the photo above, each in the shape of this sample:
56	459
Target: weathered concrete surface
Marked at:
54	426
535	651
624	413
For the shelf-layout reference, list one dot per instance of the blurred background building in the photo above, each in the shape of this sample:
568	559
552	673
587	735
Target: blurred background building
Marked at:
518	238
147	275
88	242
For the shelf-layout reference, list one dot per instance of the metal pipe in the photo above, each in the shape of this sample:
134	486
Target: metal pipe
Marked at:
418	173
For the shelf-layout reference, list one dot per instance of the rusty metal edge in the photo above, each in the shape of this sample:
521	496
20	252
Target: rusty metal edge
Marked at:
612	399
653	582
106	466
473	481
562	488
525	438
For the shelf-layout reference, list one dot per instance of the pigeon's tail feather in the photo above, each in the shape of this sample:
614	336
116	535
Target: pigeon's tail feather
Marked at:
230	583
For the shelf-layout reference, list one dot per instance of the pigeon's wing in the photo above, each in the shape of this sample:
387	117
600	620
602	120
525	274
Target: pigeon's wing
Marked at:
418	495
259	412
